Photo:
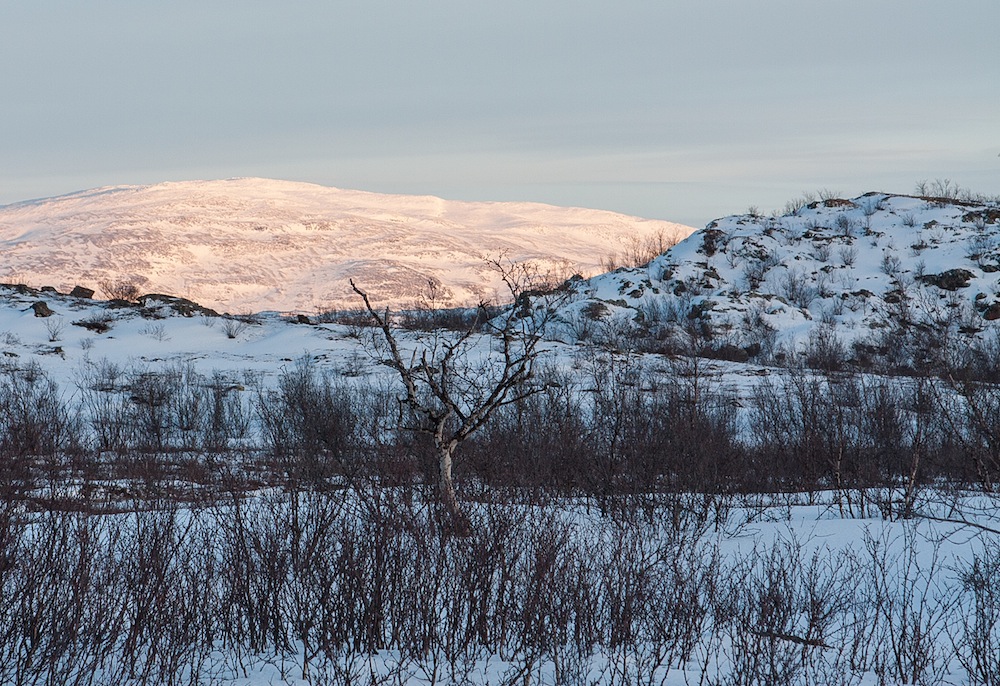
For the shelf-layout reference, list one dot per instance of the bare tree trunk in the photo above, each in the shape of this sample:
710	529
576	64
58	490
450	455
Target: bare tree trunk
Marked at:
445	484
454	519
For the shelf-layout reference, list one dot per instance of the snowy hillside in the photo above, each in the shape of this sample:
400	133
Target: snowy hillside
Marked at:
245	245
856	273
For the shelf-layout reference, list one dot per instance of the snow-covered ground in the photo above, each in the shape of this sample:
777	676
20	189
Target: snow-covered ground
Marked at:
774	590
814	588
895	598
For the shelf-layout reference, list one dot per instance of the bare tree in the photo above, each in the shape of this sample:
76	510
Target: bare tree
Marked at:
455	381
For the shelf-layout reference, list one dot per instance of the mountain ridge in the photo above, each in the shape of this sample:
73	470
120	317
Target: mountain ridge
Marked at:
252	244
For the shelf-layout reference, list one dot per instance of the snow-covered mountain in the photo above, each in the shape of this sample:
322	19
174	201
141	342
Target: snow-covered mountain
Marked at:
244	245
873	273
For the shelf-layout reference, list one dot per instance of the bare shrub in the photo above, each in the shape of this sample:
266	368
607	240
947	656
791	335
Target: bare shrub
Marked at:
151	394
979	246
361	586
35	421
845	225
638	252
107	408
825	350
308	423
757	267
821	252
126	289
848	254
871	205
794	205
780	615
55	326
451	319
157	332
976	638
890	265
233	327
912	611
939	188
798	289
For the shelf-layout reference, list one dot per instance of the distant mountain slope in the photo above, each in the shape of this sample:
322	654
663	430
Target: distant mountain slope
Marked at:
257	244
895	275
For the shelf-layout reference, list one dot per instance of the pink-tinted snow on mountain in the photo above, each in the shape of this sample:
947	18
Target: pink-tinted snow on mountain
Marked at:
256	244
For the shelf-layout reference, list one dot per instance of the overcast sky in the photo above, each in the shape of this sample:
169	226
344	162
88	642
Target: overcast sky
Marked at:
675	110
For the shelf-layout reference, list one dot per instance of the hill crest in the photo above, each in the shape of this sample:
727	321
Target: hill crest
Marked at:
892	275
258	244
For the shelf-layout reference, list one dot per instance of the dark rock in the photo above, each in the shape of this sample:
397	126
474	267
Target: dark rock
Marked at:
42	309
19	288
95	324
950	280
302	319
182	306
119	304
986	215
839	202
992	312
82	292
710	239
701	310
595	310
731	353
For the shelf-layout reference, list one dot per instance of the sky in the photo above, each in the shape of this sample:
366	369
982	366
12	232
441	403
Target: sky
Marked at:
684	111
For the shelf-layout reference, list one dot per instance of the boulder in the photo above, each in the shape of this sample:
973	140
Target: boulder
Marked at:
42	309
731	353
82	292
